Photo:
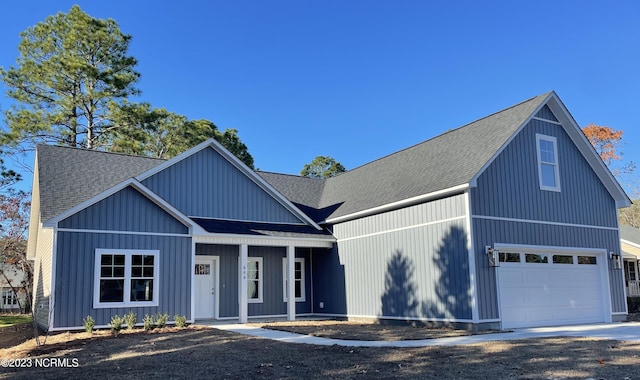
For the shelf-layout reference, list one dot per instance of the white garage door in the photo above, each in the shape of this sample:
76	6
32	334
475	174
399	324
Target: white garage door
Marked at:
550	289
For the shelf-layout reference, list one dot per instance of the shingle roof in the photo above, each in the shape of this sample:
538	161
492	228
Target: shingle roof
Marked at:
70	176
448	160
630	234
261	229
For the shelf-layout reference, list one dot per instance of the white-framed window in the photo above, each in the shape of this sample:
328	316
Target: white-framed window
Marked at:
298	278
254	279
126	278
9	299
548	168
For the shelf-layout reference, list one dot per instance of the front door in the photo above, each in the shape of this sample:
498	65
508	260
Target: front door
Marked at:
205	287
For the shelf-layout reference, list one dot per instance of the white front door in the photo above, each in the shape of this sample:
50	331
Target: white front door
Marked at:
205	286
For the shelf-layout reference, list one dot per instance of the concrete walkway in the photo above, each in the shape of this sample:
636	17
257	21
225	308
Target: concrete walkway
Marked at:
629	331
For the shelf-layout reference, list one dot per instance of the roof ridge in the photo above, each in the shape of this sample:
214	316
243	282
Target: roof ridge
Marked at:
98	151
289	175
444	133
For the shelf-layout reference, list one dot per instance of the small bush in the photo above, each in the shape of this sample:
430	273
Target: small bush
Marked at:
181	320
148	322
130	319
88	323
116	324
161	319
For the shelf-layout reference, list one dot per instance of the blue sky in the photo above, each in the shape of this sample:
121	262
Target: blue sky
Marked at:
357	80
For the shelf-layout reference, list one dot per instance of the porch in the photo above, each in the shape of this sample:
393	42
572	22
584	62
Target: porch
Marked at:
632	282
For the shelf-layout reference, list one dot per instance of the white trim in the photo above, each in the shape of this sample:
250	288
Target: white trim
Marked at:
126	302
579	139
52	296
546	120
473	294
403	203
174	212
285	268
499	218
398	318
555	164
630	243
123	232
235	161
193	280
274	241
243	306
260	279
463	217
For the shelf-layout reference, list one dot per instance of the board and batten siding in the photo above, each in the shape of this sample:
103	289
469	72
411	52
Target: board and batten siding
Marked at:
126	210
410	263
206	185
489	232
272	299
509	207
74	277
510	188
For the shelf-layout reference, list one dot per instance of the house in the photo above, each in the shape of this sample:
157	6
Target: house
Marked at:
506	222
630	243
12	295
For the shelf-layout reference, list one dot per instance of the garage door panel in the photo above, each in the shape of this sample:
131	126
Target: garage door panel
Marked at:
533	294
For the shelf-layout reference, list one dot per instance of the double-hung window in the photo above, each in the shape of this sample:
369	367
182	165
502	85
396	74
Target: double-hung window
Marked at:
126	278
254	279
298	279
548	168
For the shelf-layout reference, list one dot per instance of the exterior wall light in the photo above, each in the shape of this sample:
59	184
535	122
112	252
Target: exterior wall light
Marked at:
492	256
616	260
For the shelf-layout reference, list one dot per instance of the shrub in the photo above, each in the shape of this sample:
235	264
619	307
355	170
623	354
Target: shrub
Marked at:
161	319
116	324
148	322
88	323
130	319
181	320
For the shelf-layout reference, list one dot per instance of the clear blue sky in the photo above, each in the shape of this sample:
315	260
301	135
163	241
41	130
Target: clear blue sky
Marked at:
357	80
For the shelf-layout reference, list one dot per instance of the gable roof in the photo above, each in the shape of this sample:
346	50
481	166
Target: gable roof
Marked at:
70	176
445	164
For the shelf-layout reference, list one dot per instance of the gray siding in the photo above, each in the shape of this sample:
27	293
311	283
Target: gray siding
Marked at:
272	300
126	210
207	185
488	232
74	281
545	113
509	187
414	262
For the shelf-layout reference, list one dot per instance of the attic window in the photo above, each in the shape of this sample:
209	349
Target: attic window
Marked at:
548	169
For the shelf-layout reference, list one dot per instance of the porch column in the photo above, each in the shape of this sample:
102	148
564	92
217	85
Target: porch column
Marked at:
243	300
291	291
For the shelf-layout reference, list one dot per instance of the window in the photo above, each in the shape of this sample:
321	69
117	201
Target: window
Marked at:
8	298
587	260
298	277
536	258
562	259
508	257
126	278
548	170
254	279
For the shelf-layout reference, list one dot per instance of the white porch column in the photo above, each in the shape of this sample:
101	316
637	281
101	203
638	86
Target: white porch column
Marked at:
291	289
243	301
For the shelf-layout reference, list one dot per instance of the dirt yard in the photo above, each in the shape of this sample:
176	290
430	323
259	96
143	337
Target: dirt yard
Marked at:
201	352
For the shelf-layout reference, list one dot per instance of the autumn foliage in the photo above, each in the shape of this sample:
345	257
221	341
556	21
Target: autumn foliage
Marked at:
605	140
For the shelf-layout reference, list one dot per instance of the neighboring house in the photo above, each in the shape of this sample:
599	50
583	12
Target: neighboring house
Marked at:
630	242
506	222
9	300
